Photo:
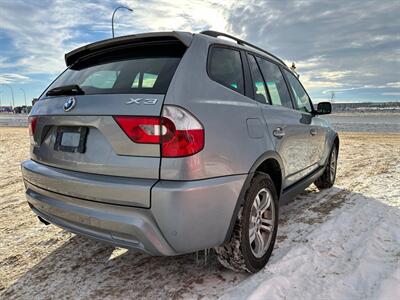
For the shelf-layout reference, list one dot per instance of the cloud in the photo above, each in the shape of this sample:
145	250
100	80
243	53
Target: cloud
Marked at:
10	78
334	43
56	27
52	28
394	84
340	45
391	94
163	15
390	85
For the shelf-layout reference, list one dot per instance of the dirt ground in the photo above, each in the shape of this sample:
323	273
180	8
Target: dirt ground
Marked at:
38	261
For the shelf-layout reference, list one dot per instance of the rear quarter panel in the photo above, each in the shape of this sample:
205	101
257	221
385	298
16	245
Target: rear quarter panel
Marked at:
230	147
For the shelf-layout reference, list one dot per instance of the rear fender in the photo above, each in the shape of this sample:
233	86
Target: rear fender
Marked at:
267	155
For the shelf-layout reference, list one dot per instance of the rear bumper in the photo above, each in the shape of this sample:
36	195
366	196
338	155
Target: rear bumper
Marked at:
101	188
183	217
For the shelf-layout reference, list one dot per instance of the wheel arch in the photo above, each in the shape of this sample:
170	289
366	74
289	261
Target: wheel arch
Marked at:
336	141
270	163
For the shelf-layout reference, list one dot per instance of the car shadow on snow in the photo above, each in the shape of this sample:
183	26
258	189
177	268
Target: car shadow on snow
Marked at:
84	268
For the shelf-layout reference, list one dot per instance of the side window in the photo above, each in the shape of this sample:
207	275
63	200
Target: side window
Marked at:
303	102
260	93
225	67
275	83
103	79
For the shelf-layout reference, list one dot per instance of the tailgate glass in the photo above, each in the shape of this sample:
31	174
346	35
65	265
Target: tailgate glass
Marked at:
139	70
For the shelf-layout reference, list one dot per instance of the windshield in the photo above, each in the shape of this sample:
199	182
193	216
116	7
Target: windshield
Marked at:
147	70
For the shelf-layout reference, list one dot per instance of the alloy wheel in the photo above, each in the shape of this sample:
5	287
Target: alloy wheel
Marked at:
262	220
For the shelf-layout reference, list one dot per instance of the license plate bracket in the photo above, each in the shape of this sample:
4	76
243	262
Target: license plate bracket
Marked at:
71	139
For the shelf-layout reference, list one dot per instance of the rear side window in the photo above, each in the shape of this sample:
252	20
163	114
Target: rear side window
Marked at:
225	67
138	70
275	83
303	102
260	93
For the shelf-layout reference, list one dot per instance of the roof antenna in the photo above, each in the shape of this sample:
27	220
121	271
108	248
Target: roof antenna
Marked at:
293	68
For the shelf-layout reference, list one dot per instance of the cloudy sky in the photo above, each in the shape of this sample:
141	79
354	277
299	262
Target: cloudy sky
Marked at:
350	47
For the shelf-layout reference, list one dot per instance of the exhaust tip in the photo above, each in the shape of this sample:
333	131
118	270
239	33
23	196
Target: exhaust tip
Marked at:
43	221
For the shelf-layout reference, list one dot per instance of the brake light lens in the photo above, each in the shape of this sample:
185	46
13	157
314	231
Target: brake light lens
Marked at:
179	132
32	121
144	130
184	135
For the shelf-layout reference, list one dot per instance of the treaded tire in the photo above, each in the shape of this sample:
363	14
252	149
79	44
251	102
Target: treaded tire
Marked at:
237	254
326	181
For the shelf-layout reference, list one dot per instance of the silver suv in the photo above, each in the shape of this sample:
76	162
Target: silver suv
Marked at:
175	142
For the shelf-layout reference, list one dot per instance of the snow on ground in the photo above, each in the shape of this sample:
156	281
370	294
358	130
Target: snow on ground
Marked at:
342	243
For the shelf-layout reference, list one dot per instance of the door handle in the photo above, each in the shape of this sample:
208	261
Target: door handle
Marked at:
313	131
279	133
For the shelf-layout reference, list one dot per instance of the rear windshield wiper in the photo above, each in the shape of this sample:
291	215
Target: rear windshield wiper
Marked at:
73	89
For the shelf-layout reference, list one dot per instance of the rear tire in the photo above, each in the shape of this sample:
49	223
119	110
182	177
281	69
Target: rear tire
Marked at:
327	179
254	234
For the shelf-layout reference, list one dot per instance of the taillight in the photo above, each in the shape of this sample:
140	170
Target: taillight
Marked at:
184	135
145	130
179	132
32	125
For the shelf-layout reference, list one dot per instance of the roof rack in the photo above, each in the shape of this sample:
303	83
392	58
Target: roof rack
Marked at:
239	41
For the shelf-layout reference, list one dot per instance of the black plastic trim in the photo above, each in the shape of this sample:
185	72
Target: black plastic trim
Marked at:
299	186
73	56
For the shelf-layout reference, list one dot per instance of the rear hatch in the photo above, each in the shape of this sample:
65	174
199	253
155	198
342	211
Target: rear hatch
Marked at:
74	123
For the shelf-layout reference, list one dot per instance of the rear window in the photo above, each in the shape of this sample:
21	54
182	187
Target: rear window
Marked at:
138	70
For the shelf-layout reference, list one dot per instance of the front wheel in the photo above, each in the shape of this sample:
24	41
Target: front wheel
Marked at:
327	178
254	235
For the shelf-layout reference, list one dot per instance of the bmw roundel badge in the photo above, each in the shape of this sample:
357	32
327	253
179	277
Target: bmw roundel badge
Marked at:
70	104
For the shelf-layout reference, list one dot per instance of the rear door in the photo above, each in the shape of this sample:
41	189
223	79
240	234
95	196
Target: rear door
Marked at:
81	132
287	127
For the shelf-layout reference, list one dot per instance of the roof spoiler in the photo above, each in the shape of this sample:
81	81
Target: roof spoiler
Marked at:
73	56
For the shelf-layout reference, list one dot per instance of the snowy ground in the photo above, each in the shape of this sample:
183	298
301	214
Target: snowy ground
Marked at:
343	243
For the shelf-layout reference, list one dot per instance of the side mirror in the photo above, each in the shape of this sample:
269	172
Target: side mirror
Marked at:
34	100
324	108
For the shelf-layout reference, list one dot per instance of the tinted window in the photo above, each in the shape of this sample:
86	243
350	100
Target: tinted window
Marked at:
301	98
275	83
260	93
226	68
103	79
144	80
145	69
